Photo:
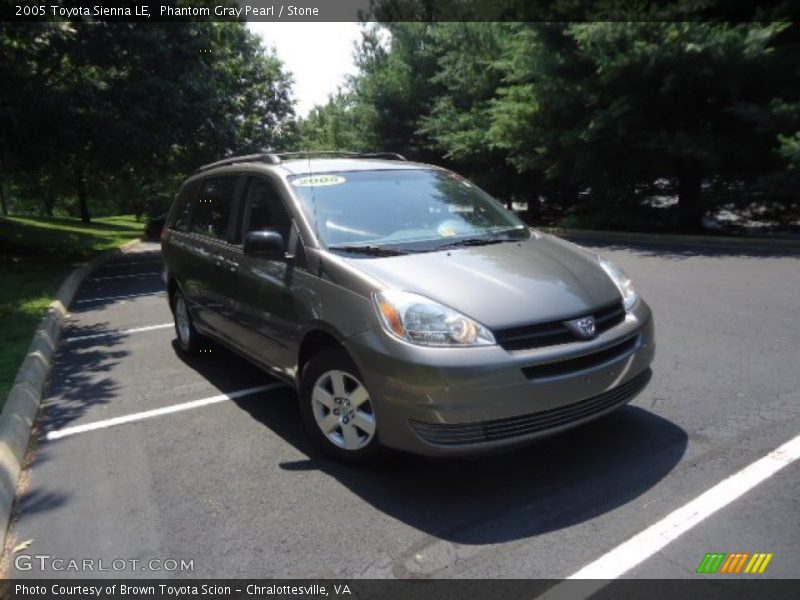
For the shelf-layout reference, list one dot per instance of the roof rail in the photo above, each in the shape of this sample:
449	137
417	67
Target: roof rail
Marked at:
275	158
342	153
267	158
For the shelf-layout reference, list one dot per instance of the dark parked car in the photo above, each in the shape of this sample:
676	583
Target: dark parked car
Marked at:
152	231
407	307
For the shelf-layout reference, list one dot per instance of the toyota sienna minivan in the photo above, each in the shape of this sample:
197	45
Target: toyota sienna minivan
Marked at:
407	307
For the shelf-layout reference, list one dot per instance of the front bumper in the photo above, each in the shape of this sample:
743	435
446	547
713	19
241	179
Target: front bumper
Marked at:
449	401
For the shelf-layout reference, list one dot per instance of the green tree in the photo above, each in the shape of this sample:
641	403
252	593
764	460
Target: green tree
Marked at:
396	87
457	125
127	106
614	106
336	125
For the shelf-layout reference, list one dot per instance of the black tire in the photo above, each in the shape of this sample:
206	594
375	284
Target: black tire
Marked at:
318	370
189	340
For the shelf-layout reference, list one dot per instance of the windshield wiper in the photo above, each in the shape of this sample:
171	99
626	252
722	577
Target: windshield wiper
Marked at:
473	242
368	249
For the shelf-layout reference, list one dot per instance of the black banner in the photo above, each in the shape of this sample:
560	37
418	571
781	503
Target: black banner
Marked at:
400	10
705	587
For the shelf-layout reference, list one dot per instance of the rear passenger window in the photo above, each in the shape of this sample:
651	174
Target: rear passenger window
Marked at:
212	208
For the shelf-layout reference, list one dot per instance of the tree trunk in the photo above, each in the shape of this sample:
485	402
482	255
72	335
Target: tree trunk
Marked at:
534	210
690	202
48	201
83	201
530	189
3	199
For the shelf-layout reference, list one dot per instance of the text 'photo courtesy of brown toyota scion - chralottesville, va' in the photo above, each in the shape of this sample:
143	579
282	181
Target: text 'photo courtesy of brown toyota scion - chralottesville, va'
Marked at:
408	308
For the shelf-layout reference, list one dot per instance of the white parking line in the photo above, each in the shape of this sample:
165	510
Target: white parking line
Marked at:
145	274
80	338
103	299
645	544
147	414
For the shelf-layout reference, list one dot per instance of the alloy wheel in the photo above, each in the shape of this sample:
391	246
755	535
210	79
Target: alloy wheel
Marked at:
343	410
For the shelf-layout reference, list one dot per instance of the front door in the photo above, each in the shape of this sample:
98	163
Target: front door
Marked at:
262	302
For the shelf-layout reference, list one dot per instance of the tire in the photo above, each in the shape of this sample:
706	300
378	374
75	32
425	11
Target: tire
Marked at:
330	382
189	339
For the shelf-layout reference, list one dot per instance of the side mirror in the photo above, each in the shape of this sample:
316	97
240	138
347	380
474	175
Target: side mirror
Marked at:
264	244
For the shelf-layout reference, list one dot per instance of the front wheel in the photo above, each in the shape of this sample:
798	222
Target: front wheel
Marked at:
337	408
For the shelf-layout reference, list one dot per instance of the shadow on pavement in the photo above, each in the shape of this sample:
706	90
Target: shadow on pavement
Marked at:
149	284
80	376
135	274
34	501
552	484
79	379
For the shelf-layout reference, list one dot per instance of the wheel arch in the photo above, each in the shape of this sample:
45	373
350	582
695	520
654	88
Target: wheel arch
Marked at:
318	338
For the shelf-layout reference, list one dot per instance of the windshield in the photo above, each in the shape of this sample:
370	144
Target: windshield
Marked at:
402	209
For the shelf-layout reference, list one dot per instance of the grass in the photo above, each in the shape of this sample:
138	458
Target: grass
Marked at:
36	254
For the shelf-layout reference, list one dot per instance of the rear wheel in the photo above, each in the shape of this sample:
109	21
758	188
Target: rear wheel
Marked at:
188	338
337	408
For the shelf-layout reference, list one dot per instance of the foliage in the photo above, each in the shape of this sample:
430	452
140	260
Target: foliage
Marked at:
610	106
336	125
611	123
127	109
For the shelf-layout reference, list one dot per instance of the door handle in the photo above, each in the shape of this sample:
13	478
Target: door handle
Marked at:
222	262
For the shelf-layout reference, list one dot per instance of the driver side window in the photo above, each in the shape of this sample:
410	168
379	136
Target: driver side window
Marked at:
264	210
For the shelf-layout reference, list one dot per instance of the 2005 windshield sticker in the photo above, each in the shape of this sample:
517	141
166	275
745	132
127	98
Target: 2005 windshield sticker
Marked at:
318	181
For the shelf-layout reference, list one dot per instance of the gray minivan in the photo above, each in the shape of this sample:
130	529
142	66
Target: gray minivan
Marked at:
407	307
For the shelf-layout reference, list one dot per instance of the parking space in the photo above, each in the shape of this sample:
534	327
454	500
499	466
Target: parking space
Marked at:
741	528
107	316
162	458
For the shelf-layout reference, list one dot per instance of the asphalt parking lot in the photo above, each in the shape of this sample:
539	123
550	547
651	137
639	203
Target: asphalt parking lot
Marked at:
140	455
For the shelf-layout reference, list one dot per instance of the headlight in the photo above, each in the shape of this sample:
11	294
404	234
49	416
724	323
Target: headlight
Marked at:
418	320
622	281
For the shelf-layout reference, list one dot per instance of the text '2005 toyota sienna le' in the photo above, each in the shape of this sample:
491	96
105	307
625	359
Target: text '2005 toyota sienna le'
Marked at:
407	307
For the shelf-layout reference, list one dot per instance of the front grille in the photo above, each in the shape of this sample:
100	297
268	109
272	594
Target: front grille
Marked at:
555	332
579	363
501	429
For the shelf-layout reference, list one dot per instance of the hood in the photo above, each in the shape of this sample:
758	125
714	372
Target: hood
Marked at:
501	285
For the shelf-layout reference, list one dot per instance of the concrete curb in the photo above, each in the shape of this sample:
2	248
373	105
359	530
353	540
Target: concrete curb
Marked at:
22	404
697	241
